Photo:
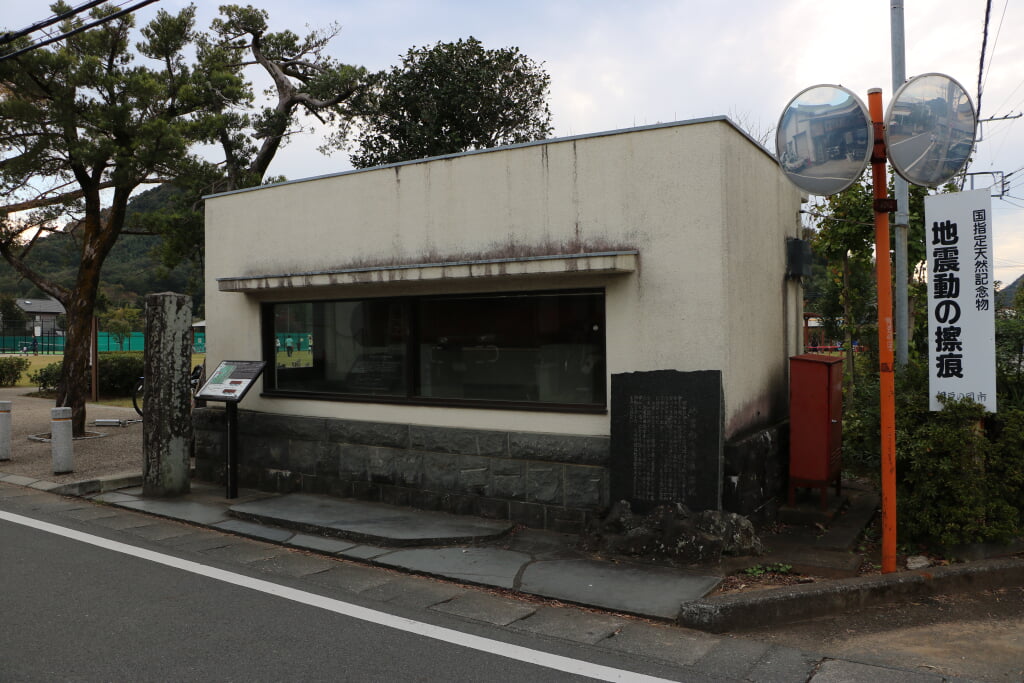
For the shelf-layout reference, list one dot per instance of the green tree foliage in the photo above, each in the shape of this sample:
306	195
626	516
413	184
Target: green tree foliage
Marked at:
10	312
305	81
82	125
448	98
1010	348
846	238
121	322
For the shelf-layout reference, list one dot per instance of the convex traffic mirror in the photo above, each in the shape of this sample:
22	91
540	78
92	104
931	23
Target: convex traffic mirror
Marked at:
929	129
824	139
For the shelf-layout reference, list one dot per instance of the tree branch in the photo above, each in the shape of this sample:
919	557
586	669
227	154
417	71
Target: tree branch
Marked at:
42	202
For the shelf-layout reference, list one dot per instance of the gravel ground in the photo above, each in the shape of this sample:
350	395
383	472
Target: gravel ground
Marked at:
117	451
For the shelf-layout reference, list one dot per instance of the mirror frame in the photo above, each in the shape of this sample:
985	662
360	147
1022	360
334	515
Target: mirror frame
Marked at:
900	164
841	182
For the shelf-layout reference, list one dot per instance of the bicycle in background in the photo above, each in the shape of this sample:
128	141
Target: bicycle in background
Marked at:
195	379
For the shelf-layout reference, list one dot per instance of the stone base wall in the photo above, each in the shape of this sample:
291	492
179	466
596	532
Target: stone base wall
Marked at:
547	481
756	470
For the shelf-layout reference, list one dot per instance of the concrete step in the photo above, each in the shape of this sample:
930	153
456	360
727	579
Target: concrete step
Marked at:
373	523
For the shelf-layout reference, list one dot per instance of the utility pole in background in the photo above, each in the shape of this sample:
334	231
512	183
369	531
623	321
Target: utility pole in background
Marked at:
902	196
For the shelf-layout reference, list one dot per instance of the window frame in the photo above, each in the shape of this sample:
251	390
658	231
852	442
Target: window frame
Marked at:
412	367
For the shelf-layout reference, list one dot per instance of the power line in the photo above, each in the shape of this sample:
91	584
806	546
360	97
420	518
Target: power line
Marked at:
80	29
995	42
1005	199
39	25
984	42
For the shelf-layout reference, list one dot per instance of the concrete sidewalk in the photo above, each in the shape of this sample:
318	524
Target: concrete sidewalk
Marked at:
488	552
464	549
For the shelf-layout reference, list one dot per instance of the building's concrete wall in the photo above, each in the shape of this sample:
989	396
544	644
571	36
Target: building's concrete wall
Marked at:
763	310
707	210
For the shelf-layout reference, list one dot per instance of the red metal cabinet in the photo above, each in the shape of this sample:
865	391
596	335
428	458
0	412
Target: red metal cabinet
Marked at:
815	423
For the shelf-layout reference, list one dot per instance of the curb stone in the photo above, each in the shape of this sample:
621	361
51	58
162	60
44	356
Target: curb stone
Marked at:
793	603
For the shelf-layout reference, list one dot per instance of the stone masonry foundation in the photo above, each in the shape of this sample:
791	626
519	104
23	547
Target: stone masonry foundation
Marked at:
548	481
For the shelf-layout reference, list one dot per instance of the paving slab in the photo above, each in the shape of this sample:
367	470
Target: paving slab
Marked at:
372	523
294	564
45	486
632	588
242	552
123	521
18	480
414	592
199	540
350	577
485	566
671	645
15	491
158	531
320	544
364	553
784	664
486	608
114	497
176	508
51	504
254	530
86	514
735	658
839	671
570	624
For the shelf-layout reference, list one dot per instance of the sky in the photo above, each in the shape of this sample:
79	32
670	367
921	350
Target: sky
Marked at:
618	65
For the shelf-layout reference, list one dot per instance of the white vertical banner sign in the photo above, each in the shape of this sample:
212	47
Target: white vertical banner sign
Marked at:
961	297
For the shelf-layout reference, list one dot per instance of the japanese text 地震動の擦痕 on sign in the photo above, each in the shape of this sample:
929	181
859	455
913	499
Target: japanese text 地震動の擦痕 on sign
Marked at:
961	308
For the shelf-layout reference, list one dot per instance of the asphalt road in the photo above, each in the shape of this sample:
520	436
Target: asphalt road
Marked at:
75	610
90	592
78	612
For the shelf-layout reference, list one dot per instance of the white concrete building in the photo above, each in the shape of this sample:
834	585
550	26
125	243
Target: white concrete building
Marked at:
518	332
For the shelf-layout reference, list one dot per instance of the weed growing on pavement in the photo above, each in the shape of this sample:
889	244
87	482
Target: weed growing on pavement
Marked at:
762	569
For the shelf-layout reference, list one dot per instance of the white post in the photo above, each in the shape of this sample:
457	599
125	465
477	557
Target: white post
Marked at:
5	430
60	440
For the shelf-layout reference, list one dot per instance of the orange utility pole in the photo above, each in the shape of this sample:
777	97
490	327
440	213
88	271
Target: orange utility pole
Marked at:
886	376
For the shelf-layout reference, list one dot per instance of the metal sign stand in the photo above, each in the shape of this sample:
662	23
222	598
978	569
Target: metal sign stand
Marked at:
229	384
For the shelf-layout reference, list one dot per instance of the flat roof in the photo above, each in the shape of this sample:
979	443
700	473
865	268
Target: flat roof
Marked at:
535	143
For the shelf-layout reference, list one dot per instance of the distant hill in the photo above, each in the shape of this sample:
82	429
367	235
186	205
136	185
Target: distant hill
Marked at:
132	269
1006	294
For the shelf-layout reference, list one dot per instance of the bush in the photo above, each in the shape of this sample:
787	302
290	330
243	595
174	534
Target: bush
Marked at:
951	481
960	478
119	370
11	369
118	373
47	377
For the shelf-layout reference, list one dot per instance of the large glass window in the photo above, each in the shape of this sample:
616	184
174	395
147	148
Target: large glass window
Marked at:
518	348
341	347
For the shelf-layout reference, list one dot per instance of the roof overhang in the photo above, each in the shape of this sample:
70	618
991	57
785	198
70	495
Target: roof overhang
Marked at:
555	265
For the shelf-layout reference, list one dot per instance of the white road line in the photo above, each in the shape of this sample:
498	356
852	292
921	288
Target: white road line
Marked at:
495	647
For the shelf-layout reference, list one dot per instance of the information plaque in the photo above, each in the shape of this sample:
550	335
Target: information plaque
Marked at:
229	383
231	380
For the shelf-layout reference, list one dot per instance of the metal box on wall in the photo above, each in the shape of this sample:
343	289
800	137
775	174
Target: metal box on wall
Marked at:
815	423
